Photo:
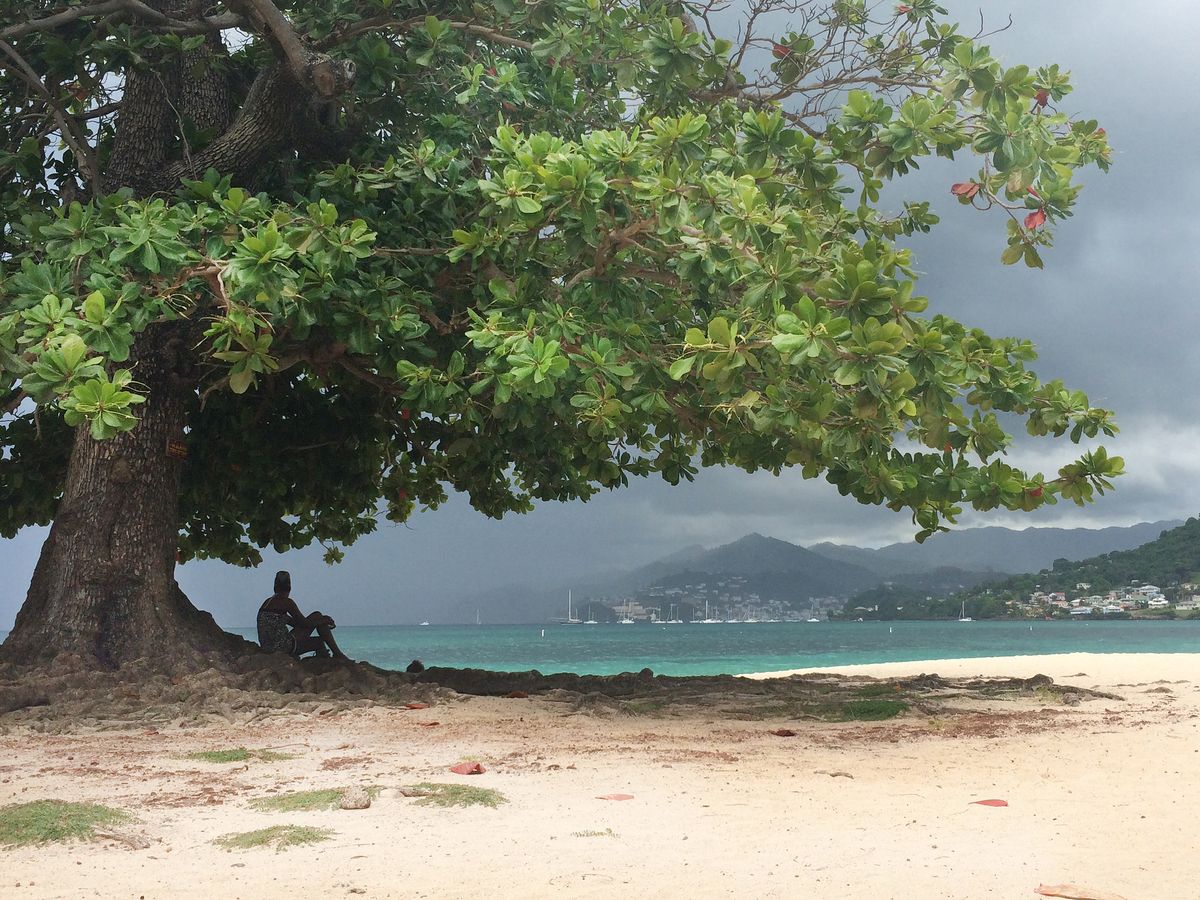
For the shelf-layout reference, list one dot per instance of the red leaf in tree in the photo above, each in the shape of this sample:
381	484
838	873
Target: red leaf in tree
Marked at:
779	51
966	189
1035	219
1037	492
1042	97
902	9
1035	193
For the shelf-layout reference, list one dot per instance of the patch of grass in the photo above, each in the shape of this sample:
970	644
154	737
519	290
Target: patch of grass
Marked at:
868	710
237	754
278	836
437	794
54	820
607	832
305	801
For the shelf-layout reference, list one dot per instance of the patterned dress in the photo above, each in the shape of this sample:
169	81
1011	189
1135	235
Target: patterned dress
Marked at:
273	632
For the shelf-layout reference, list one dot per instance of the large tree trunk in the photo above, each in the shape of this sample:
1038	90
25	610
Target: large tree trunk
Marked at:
104	587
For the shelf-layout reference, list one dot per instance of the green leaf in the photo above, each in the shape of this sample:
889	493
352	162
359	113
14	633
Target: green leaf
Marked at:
681	367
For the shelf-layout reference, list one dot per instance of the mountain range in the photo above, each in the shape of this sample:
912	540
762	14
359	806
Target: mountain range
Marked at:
775	568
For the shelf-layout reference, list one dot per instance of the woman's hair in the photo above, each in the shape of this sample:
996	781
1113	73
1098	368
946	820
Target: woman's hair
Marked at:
283	582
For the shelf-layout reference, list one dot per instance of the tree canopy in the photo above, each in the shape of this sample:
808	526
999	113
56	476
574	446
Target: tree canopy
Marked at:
525	250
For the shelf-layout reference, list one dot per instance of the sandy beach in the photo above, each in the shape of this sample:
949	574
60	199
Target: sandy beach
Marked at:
1102	794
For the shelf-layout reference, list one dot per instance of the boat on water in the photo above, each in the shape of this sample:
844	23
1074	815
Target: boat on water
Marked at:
812	615
424	623
626	620
572	619
591	620
962	616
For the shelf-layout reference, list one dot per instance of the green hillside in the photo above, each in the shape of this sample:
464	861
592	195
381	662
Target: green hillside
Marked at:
1171	559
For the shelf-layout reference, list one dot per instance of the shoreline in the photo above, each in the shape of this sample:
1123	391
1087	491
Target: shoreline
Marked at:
1101	666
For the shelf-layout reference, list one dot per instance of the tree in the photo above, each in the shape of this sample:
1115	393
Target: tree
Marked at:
271	270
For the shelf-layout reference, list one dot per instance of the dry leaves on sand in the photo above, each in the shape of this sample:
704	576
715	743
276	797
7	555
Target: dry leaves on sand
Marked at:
988	803
1075	892
615	797
468	768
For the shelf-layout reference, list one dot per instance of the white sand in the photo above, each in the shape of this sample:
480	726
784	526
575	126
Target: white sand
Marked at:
1105	794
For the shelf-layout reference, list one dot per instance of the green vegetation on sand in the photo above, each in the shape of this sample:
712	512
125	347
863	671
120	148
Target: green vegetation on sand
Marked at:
278	836
305	801
43	821
237	754
435	794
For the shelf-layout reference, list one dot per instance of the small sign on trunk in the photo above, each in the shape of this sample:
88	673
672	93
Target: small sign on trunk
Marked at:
177	449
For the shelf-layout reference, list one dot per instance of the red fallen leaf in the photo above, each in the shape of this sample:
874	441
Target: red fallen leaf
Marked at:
990	802
780	51
1035	219
429	724
468	768
416	706
966	189
517	695
783	732
1042	97
615	797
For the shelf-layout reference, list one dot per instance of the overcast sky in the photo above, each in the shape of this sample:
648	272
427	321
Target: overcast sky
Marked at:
1114	313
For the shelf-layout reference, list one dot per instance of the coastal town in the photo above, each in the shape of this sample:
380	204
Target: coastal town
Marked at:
727	599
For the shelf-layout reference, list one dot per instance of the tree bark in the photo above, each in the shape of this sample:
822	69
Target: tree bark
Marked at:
104	587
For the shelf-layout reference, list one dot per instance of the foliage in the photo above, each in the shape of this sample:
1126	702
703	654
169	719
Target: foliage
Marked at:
238	754
54	820
562	245
278	836
304	801
439	794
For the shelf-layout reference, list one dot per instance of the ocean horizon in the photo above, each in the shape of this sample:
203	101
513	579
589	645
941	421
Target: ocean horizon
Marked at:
698	649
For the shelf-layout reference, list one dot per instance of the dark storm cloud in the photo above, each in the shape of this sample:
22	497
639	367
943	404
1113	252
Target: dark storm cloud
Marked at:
1115	313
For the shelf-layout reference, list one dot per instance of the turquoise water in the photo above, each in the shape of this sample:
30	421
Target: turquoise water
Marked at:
763	647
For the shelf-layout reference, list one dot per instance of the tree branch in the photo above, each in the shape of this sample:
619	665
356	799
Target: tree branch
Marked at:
70	129
115	7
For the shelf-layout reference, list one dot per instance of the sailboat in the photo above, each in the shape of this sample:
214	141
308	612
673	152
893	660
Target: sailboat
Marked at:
962	616
572	619
590	619
626	620
812	616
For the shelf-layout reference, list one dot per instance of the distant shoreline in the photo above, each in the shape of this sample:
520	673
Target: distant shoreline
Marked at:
1108	667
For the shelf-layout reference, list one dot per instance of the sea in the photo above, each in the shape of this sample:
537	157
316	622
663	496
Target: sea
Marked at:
708	649
732	648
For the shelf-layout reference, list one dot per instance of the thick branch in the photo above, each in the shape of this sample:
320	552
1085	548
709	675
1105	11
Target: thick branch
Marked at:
160	20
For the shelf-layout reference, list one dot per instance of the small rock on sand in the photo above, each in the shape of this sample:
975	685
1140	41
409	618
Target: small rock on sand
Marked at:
355	798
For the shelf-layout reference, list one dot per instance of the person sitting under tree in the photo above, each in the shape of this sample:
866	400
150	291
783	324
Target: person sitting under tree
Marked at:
281	625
